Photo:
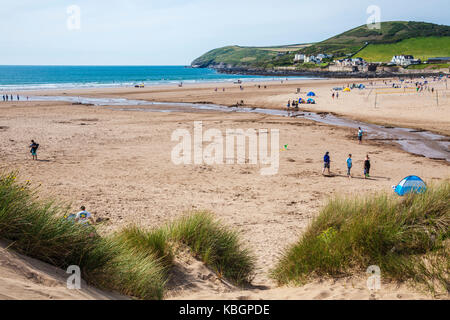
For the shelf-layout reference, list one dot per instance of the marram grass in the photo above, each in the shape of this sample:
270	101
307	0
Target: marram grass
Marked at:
408	238
134	261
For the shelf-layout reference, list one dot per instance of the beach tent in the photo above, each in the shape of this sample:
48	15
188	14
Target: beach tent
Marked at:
411	184
300	100
310	101
347	89
311	94
361	86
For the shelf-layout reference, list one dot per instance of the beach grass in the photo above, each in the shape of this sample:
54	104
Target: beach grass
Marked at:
208	239
39	230
216	245
133	261
408	238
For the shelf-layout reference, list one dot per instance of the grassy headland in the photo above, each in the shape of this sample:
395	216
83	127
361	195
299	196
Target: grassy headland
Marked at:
420	39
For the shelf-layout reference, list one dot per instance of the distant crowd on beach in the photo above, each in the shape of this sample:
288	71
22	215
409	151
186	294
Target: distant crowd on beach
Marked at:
10	97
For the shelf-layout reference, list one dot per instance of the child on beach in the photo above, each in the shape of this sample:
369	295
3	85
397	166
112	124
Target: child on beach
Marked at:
33	149
84	217
360	135
326	163
349	166
367	167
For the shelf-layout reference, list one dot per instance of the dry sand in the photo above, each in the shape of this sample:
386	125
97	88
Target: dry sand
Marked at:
24	278
118	164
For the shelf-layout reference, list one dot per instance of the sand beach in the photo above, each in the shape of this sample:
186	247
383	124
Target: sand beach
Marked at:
117	162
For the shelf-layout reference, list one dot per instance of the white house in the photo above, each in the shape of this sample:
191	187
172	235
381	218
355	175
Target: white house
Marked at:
322	56
299	57
404	60
358	62
313	59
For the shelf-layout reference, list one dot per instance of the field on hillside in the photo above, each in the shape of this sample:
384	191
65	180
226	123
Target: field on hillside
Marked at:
422	48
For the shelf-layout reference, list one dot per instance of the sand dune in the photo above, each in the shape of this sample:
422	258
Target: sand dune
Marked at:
24	278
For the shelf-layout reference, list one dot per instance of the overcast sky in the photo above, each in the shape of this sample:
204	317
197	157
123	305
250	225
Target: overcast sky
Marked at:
174	32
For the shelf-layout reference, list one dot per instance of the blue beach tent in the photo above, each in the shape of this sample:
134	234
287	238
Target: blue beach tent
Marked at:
311	94
411	184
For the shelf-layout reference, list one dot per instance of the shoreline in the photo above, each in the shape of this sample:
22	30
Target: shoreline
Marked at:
433	146
328	74
275	97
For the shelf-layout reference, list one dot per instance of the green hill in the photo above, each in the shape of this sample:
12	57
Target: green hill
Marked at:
421	48
420	39
390	32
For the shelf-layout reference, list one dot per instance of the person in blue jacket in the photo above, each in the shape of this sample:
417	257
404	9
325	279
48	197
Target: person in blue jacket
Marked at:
326	163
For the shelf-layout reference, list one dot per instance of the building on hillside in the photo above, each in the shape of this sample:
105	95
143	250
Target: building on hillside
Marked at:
439	60
355	62
322	56
358	62
404	60
299	57
312	59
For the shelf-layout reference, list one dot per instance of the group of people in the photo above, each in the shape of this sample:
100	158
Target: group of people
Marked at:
327	165
294	104
7	97
327	160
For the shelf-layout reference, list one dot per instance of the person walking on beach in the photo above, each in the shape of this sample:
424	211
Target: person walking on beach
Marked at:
360	135
349	166
337	95
332	95
33	149
326	163
367	167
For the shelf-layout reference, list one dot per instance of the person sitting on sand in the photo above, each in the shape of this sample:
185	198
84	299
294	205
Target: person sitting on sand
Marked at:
349	166
33	149
326	163
84	217
367	167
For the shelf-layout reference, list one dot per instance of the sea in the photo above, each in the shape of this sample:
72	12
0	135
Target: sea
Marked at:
66	77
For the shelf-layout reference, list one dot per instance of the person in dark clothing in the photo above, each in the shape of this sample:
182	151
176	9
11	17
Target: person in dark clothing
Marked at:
33	149
367	167
326	163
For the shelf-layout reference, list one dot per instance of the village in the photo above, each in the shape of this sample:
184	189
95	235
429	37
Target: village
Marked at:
358	64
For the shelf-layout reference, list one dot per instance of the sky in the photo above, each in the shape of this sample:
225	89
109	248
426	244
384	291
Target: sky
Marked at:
175	32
